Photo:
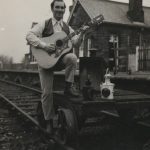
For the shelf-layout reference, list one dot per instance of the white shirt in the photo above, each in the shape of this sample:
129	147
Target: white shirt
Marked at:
57	25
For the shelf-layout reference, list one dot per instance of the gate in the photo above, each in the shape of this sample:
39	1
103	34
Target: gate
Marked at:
144	59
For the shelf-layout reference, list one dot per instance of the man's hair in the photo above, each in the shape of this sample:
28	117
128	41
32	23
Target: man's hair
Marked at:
52	4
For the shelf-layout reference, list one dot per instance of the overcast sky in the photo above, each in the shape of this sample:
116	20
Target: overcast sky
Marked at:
16	17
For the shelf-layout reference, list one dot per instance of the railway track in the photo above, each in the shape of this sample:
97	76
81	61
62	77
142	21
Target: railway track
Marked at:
17	134
21	104
21	98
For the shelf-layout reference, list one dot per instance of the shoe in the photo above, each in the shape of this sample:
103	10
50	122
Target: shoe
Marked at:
71	93
70	90
49	127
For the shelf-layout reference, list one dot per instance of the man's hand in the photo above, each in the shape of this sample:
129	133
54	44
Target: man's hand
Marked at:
84	28
49	48
80	36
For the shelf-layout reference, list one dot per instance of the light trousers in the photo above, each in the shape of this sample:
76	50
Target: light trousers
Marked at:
46	79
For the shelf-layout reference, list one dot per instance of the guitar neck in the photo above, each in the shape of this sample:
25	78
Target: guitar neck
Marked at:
97	20
68	37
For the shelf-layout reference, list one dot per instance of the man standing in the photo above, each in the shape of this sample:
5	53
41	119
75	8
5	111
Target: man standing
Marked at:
69	61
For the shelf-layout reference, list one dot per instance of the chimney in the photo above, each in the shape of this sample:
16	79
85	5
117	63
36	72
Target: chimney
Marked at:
135	12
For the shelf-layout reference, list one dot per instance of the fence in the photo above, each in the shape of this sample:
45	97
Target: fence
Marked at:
19	66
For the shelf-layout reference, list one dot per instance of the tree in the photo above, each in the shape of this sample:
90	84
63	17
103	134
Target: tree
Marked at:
6	61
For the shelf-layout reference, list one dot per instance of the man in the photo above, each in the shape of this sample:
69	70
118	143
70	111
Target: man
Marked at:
69	61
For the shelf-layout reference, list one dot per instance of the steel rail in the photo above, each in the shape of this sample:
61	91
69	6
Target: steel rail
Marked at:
26	115
20	110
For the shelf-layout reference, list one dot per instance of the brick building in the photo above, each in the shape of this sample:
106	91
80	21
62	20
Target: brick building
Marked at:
123	38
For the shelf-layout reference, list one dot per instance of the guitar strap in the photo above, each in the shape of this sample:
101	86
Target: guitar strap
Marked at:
48	30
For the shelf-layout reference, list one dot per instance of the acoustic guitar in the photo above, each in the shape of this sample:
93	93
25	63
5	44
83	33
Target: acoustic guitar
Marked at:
62	45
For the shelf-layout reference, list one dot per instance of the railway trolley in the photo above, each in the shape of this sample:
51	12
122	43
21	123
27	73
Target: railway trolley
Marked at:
74	113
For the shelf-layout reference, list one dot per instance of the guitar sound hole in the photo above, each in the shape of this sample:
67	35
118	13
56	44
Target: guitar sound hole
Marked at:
59	43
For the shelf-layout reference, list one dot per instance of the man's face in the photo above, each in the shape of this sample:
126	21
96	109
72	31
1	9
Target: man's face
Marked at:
58	10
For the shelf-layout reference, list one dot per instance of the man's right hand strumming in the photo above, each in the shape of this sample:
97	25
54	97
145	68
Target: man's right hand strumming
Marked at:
49	48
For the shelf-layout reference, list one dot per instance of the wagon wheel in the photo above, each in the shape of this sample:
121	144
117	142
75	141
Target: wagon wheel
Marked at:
67	126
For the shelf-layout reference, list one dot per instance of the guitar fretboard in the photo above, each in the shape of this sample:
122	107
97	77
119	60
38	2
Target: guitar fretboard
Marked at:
72	35
96	20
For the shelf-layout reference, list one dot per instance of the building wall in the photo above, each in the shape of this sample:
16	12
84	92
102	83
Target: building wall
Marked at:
128	39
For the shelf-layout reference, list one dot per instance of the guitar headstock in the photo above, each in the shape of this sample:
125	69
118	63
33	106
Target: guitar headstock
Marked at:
96	21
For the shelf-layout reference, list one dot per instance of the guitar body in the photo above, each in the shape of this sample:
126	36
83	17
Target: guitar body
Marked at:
46	60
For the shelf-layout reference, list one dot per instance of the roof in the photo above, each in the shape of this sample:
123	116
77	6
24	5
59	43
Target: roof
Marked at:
113	12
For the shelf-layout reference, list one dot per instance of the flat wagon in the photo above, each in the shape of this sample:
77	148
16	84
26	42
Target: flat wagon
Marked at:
73	114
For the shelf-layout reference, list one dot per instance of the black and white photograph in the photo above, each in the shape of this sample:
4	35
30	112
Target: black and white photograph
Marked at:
75	75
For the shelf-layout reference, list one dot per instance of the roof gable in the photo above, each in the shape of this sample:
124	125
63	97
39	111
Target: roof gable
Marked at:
113	12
